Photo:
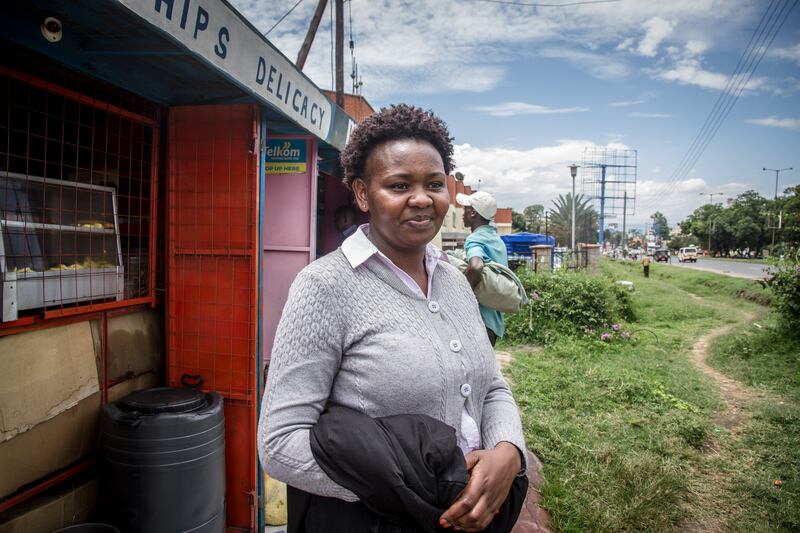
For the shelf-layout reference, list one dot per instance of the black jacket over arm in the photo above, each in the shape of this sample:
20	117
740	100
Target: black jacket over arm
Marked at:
406	470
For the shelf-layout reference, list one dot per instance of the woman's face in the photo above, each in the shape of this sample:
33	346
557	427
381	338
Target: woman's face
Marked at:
405	191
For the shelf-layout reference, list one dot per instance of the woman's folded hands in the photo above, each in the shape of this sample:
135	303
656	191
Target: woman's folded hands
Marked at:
492	473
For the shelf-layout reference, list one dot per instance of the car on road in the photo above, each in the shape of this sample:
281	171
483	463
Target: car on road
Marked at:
687	254
661	255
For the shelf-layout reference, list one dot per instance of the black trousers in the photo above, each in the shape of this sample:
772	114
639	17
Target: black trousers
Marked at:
309	513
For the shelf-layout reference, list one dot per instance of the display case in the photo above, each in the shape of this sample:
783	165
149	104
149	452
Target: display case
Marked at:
60	245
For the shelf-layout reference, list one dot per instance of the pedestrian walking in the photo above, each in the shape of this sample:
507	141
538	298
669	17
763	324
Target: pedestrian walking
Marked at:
646	265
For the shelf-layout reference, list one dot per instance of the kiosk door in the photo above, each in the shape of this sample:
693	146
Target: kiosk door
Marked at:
212	277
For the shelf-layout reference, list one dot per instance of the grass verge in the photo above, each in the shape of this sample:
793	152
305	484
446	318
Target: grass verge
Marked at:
622	428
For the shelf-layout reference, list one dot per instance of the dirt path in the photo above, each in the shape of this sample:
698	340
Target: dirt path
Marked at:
707	513
734	394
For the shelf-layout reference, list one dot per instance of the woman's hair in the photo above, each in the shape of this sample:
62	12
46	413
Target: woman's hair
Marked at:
395	122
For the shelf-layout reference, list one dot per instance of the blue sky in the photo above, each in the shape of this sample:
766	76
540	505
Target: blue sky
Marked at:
525	90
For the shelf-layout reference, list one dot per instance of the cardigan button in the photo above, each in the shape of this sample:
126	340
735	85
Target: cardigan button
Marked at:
466	390
433	306
455	345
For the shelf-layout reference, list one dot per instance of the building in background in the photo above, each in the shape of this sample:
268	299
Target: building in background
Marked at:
453	232
502	220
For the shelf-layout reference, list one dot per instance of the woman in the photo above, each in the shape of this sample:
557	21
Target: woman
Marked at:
385	326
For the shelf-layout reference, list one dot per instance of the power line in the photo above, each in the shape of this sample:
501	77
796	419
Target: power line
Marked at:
724	101
763	36
567	4
283	17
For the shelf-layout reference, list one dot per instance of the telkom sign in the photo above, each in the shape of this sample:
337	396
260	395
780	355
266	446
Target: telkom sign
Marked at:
217	33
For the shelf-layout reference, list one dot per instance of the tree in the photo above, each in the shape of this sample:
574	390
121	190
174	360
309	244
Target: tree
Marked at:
660	226
702	223
748	221
743	225
518	222
586	220
682	241
789	207
534	218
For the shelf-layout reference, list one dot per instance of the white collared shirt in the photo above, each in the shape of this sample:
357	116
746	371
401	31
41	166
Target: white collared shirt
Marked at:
358	249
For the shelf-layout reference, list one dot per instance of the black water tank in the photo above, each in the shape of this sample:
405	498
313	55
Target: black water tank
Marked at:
164	461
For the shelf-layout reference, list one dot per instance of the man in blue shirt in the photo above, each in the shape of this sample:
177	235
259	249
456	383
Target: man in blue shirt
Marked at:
483	245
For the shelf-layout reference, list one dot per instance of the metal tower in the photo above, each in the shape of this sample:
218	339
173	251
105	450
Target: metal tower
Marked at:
608	178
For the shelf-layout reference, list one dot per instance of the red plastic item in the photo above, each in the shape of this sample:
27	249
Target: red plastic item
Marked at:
212	276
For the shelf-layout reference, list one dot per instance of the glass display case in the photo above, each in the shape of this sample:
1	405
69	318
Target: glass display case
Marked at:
60	243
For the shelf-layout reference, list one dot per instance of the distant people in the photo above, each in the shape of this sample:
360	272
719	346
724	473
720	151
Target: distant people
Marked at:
483	245
345	219
646	265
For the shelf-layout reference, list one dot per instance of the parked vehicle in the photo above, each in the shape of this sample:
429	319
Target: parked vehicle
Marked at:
687	254
661	255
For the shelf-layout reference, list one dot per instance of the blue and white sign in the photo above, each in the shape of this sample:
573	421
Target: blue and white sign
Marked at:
217	33
285	156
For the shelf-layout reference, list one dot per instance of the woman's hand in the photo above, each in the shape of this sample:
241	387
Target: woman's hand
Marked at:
492	473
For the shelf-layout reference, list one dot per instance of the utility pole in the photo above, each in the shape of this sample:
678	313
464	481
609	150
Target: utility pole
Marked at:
302	55
340	53
777	171
710	201
573	170
546	228
624	219
710	196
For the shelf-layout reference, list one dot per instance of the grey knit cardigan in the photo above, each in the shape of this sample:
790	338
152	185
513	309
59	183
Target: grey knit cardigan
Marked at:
358	337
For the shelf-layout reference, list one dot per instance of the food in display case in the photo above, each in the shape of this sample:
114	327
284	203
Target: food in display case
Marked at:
60	243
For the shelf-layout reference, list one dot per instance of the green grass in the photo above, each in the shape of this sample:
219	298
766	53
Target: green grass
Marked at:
761	356
698	282
623	429
769	448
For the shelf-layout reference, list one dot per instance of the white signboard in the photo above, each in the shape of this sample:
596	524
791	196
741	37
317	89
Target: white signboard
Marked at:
216	32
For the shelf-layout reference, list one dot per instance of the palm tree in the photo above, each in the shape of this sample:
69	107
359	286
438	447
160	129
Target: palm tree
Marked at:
586	220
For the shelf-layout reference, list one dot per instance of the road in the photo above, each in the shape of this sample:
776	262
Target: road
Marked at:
739	269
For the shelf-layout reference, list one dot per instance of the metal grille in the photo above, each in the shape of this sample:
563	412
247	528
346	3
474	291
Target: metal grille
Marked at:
77	197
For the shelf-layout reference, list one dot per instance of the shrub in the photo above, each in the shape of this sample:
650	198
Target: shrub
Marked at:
785	284
566	303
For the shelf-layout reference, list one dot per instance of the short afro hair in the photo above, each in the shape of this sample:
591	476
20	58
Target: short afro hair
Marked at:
400	121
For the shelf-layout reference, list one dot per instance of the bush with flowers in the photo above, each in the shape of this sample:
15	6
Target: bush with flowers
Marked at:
567	303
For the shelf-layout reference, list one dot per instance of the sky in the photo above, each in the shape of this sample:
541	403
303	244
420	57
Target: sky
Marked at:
526	90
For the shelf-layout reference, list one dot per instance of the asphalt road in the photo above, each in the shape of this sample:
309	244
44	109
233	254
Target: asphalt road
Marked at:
739	269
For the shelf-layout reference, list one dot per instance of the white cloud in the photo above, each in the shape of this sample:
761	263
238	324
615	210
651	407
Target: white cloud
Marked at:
689	71
627	103
695	48
792	53
510	109
775	122
601	66
683	197
426	47
537	175
650	115
656	30
522	177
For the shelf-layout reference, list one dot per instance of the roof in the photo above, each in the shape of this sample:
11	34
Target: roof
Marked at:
355	105
503	215
150	50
